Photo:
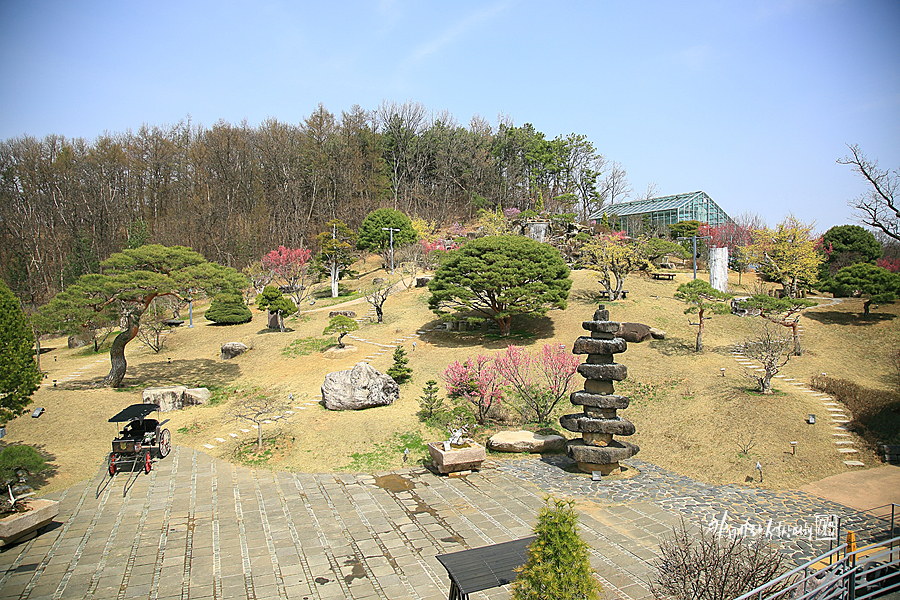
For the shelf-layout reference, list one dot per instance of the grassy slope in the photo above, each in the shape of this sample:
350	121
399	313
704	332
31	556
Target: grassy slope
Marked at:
688	417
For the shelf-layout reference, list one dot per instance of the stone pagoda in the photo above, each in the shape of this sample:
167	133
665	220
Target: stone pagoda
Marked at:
598	423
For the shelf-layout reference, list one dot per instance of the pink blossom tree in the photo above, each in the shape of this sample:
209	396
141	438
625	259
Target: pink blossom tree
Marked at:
476	381
539	380
291	265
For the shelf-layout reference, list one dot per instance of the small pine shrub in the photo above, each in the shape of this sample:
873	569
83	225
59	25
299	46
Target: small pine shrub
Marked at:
558	565
399	371
228	309
429	401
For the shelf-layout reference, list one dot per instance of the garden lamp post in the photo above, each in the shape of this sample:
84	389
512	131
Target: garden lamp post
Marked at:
391	230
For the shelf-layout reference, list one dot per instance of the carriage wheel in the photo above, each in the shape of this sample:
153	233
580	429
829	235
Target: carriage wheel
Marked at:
112	464
165	443
148	464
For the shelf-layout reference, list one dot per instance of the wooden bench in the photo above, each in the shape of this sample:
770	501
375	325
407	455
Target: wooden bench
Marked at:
669	276
484	568
605	294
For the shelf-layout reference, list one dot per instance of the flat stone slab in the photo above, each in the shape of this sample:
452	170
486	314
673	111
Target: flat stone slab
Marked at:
589	345
607	401
526	441
607	372
585	424
601	326
581	452
854	463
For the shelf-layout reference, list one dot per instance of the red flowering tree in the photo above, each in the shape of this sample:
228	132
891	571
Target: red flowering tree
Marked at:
891	264
475	381
292	266
539	380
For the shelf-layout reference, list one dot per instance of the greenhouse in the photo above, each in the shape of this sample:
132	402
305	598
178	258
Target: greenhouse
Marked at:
661	212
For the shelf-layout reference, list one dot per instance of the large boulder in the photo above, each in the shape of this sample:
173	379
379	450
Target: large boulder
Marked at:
359	387
633	332
232	349
175	397
526	441
195	396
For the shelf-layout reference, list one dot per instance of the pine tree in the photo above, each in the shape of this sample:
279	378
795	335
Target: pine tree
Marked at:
429	401
399	371
228	308
19	375
558	567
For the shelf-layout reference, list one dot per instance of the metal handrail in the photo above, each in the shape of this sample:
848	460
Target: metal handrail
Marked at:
841	577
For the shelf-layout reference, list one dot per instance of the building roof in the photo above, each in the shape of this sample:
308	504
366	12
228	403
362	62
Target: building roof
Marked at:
640	207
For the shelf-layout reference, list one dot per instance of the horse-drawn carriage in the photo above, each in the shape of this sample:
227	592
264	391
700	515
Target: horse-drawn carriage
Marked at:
140	440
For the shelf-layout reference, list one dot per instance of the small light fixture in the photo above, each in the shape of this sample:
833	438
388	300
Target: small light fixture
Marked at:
793	448
812	419
54	383
723	371
170	360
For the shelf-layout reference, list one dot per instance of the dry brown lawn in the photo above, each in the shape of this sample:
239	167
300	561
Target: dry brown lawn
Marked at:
689	418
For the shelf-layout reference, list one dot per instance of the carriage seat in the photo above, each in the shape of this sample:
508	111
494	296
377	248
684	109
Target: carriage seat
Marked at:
137	429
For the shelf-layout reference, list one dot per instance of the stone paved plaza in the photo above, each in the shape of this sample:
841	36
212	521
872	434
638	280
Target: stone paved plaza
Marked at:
201	528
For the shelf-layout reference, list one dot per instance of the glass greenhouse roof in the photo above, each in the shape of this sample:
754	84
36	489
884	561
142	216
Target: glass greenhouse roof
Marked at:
640	207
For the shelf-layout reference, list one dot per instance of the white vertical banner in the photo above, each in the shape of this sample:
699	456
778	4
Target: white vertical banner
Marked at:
718	268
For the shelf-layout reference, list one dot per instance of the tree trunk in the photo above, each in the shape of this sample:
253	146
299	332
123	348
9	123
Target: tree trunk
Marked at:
341	340
259	444
117	355
505	325
795	330
699	346
334	280
380	312
866	307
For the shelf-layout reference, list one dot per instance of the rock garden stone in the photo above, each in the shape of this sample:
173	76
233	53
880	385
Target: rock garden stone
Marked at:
633	332
359	387
657	334
175	397
232	349
526	441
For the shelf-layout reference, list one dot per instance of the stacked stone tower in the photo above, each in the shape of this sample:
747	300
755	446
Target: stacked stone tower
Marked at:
597	450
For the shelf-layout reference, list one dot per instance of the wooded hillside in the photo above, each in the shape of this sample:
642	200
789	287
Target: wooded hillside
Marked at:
233	192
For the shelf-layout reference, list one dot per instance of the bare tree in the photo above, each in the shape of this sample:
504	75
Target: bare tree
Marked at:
771	350
260	408
652	191
615	186
376	297
877	208
711	565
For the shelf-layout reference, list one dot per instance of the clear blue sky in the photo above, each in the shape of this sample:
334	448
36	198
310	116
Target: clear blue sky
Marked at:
751	101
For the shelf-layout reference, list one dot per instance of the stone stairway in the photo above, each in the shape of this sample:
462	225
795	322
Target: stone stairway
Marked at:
836	411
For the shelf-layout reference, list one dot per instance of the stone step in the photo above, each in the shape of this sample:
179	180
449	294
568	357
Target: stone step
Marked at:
848	451
854	463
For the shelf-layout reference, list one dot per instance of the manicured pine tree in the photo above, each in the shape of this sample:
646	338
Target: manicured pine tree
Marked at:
558	565
399	371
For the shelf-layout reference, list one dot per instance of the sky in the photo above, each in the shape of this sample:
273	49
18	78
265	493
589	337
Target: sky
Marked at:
750	101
